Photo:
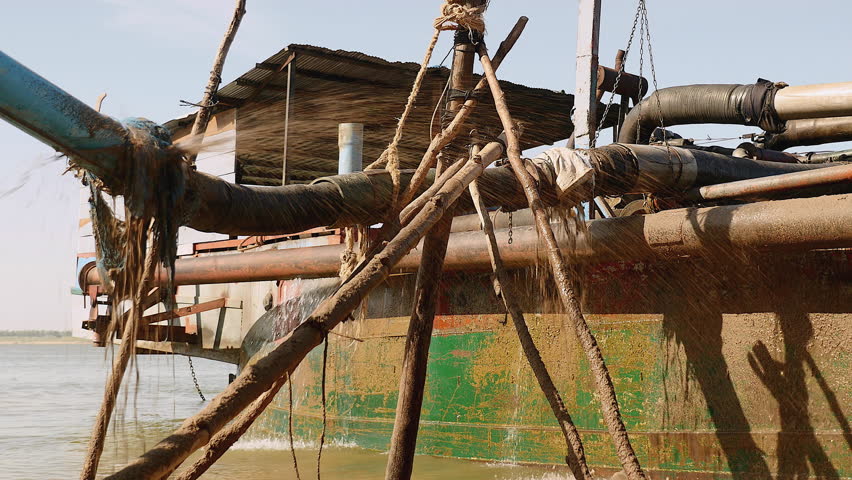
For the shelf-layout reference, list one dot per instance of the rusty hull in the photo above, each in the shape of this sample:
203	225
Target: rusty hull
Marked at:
730	368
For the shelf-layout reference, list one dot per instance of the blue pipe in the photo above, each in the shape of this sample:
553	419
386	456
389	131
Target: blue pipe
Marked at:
48	113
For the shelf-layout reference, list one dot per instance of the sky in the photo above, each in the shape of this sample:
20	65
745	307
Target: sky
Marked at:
147	55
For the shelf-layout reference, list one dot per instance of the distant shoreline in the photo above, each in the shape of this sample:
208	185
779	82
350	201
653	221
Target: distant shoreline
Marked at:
9	340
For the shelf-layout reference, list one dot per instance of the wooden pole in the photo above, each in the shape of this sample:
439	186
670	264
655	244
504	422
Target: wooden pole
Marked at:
222	441
427	288
565	287
259	377
449	133
585	97
129	324
205	111
576	456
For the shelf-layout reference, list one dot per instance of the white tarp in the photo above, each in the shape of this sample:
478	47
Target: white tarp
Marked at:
575	176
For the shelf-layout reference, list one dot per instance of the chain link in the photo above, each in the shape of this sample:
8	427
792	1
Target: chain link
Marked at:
618	75
510	229
194	379
654	72
641	64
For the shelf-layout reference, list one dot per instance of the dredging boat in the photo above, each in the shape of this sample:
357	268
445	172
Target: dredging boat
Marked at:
716	281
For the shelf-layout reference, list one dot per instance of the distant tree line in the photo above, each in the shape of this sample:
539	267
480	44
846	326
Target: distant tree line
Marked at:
35	333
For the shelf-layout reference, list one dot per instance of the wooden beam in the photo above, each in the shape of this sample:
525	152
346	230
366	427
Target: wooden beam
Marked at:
182	312
585	98
261	86
166	333
428	286
227	355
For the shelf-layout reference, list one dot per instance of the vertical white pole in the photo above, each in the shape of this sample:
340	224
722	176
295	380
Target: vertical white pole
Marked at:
285	177
350	143
585	101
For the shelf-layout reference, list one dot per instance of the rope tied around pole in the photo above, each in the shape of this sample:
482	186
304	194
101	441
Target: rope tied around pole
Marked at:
455	15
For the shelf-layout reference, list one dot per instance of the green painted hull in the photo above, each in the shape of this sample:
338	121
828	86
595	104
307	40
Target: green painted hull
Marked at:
739	369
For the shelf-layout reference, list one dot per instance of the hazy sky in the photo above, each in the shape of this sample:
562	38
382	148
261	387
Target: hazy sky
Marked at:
149	54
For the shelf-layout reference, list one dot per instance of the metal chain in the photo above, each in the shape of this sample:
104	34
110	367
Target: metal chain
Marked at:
510	229
194	379
641	63
618	75
647	28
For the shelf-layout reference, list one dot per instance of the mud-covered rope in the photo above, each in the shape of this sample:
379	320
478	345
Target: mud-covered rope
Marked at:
455	15
324	408
290	426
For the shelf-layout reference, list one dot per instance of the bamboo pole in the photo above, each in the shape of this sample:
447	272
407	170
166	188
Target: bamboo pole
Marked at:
449	133
222	441
257	378
576	457
606	391
427	288
205	110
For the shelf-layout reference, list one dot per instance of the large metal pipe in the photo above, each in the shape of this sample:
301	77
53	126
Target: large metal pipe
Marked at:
761	187
763	104
814	101
827	157
98	143
622	169
690	104
812	131
363	197
788	225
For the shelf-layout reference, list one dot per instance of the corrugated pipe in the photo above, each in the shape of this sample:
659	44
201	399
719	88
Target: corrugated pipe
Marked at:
765	104
337	201
691	104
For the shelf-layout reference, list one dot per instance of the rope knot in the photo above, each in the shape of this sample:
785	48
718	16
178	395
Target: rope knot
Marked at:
455	15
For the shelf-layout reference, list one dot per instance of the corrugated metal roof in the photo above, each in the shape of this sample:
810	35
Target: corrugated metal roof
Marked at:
336	86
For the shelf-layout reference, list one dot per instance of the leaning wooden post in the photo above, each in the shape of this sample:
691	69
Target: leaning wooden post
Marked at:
205	110
449	133
576	457
255	379
427	288
222	441
565	287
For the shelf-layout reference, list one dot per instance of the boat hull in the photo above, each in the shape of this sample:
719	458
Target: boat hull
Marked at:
736	367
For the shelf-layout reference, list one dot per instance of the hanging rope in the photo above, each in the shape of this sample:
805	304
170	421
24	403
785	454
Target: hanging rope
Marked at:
324	409
455	15
290	425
